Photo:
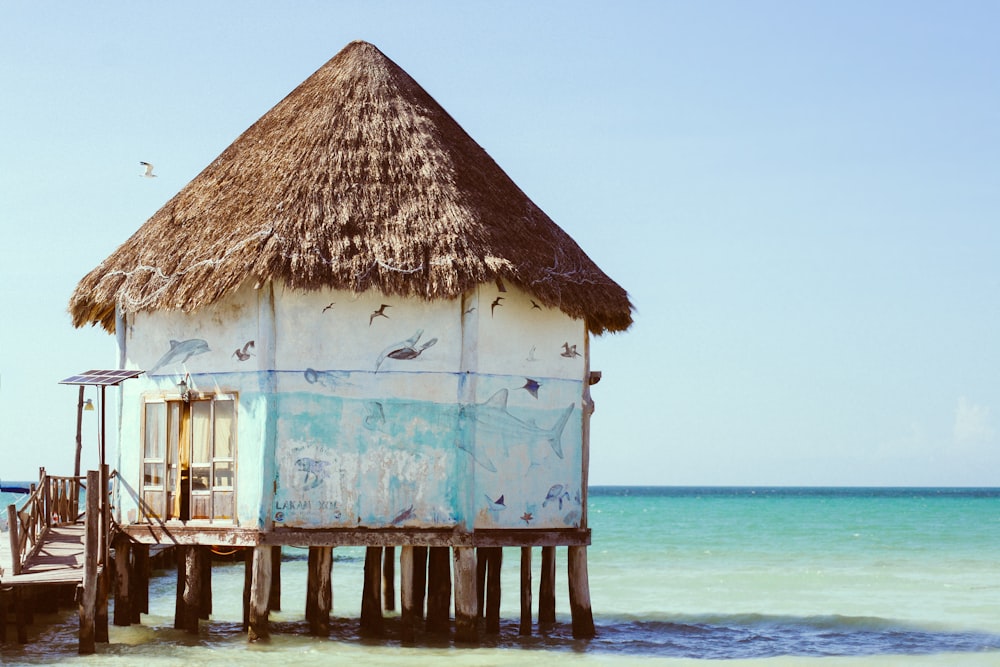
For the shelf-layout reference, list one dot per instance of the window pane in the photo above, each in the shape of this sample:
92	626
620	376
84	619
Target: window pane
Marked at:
223	504
153	501
201	432
224	429
199	506
224	474
156	436
199	479
153	474
173	430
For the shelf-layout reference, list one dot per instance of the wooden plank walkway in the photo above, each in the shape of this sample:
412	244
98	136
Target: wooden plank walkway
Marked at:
58	561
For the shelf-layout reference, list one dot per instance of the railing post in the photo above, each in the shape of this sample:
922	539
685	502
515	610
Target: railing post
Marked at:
13	524
46	498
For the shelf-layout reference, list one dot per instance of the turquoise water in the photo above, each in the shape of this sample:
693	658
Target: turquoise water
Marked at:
678	576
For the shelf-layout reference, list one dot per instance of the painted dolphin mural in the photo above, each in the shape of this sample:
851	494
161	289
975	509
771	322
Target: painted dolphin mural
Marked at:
493	416
180	352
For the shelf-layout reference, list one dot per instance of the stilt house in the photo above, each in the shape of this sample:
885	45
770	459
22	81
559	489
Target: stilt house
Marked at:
354	329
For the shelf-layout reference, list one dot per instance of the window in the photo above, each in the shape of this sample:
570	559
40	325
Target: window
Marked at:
189	458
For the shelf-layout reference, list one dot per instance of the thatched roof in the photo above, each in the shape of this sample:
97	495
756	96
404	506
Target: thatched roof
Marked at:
357	180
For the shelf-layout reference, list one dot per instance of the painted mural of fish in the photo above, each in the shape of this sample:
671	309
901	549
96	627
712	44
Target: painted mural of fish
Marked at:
316	472
403	516
493	415
557	493
181	351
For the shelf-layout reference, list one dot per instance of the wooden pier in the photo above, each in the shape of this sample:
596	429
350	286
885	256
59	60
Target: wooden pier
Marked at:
55	554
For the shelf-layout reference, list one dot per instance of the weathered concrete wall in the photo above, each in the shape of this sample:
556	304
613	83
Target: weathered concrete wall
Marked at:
465	412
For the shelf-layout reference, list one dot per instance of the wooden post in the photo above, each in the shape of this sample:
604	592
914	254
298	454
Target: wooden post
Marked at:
46	497
419	580
274	599
319	591
88	597
407	593
466	627
371	607
438	590
13	526
101	613
494	563
189	583
123	581
205	593
247	586
389	578
139	597
547	589
260	594
579	593
525	628
481	560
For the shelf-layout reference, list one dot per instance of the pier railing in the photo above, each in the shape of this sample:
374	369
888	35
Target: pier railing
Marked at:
53	501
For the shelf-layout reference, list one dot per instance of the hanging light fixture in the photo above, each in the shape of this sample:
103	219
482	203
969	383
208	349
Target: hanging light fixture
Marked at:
185	391
89	405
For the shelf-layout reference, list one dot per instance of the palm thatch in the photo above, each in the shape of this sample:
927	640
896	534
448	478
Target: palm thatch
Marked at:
357	180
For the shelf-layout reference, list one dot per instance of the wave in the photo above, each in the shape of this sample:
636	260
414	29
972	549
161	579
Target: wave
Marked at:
745	636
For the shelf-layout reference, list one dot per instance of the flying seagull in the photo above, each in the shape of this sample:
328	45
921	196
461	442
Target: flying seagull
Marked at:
149	170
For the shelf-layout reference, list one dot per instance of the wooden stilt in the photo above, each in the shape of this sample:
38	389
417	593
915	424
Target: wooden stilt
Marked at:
466	626
139	598
260	594
274	599
438	590
311	594
407	593
389	578
180	621
579	593
547	589
101	612
525	628
191	604
88	596
482	558
123	581
494	564
419	580
247	586
319	591
205	595
371	606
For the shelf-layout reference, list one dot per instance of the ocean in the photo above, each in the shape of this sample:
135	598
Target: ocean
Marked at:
678	576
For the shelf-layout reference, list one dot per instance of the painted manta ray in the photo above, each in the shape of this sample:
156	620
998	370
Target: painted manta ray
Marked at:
494	416
180	352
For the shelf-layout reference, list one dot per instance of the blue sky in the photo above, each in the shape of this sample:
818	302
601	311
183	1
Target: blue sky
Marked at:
801	198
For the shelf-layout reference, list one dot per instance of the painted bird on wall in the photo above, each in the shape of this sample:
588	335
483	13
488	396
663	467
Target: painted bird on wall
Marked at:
379	313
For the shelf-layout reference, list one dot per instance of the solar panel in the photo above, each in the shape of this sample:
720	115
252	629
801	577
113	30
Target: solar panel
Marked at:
102	378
